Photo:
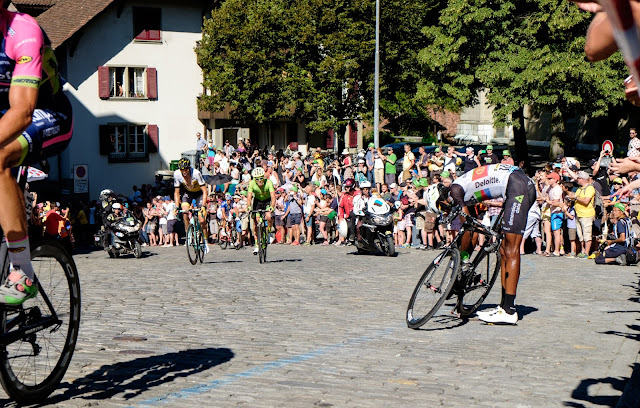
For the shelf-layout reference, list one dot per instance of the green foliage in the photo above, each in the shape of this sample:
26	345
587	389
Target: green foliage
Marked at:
312	60
525	52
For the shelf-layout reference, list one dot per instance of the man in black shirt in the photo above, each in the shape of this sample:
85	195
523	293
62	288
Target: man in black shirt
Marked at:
600	175
487	158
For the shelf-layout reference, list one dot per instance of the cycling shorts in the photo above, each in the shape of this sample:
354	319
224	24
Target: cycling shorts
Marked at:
260	205
188	197
520	196
48	134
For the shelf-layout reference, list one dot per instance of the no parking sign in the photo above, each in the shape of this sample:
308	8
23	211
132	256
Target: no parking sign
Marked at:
80	178
607	146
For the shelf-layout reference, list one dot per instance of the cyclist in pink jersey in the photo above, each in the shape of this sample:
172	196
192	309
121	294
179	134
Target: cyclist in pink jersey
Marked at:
35	123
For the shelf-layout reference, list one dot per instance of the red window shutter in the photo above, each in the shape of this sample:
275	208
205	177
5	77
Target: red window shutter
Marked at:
153	35
103	82
353	135
152	131
329	139
152	83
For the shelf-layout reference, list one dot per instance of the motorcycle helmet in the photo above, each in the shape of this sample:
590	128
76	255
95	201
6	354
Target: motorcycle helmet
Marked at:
116	206
184	163
365	184
104	194
349	182
343	228
257	173
397	204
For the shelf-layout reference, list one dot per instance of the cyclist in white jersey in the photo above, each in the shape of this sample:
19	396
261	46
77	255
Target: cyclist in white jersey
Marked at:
512	184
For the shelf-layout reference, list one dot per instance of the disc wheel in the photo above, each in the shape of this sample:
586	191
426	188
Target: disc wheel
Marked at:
32	367
191	245
433	288
478	282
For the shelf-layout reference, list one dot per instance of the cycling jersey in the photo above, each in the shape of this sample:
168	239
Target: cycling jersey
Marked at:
27	59
485	182
197	182
263	194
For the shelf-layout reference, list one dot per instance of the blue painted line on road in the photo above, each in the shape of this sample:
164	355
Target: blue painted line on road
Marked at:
261	369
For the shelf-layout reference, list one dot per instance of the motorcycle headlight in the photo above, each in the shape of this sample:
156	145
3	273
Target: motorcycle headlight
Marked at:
381	219
119	234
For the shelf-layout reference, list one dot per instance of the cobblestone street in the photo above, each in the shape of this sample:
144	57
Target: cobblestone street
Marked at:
322	326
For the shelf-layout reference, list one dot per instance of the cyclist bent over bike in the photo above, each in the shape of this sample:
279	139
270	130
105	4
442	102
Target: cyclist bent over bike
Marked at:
261	196
36	122
189	181
512	184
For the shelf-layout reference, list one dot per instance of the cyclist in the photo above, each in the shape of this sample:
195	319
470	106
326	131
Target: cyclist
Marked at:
190	183
261	196
512	184
36	122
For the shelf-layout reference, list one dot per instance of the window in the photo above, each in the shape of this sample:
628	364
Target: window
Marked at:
147	24
127	82
128	142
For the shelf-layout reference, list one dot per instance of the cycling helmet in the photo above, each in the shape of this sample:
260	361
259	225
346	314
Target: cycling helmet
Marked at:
184	163
257	173
227	196
365	184
349	182
104	194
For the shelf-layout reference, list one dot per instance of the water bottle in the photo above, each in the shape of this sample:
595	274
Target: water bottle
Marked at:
466	262
193	203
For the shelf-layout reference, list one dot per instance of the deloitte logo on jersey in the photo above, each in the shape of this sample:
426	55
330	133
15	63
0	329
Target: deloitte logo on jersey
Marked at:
519	198
490	180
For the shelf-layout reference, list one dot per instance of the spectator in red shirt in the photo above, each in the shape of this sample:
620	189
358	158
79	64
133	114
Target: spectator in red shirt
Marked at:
54	222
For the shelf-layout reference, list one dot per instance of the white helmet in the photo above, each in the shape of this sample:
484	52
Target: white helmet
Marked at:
365	184
105	193
343	228
258	172
116	206
377	206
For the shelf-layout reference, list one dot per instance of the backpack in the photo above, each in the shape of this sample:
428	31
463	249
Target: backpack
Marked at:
630	237
598	205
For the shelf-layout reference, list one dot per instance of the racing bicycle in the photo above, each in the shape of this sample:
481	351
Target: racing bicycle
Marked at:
262	233
39	337
196	244
232	233
470	280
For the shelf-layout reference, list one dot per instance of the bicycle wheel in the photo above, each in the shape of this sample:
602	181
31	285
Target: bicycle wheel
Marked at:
261	248
192	252
478	282
201	244
32	367
223	240
265	242
433	288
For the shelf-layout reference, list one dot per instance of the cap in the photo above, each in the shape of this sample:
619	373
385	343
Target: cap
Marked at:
620	207
424	182
345	151
489	147
554	175
360	161
115	206
583	175
416	182
506	153
592	162
437	150
393	185
469	147
445	174
323	191
403	184
617	180
372	145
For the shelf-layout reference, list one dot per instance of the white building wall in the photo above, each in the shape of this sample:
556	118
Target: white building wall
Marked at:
108	41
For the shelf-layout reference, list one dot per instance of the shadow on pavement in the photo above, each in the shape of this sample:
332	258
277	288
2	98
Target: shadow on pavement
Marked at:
132	378
443	322
222	262
285	260
581	393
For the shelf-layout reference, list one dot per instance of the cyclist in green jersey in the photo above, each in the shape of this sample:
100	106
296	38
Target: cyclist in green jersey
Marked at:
261	196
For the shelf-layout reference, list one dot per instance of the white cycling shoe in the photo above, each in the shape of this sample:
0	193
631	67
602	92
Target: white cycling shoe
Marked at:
497	316
255	251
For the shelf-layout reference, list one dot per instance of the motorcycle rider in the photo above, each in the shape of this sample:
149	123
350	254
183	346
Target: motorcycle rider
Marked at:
106	208
360	205
345	207
111	219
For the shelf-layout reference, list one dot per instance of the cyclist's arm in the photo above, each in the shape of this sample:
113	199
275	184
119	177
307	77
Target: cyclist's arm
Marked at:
176	197
249	198
205	196
273	199
22	103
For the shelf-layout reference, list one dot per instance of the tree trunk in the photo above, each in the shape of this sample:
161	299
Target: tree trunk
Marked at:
520	138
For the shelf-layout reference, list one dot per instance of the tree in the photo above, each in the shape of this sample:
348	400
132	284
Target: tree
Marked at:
524	52
311	60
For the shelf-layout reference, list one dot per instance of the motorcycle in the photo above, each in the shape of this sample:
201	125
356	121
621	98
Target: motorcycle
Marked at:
376	228
122	239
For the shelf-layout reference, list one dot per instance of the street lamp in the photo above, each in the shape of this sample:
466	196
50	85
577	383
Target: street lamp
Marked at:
376	81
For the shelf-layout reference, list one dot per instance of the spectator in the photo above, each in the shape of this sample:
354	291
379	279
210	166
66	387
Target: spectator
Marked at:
633	149
369	162
201	146
408	163
585	212
616	249
389	167
450	160
469	161
378	168
487	158
506	158
422	162
554	202
228	148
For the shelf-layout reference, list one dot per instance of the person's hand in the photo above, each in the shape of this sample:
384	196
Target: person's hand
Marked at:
625	165
626	190
602	153
590	6
631	91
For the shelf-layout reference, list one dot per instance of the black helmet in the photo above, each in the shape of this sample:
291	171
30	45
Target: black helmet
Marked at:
184	163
